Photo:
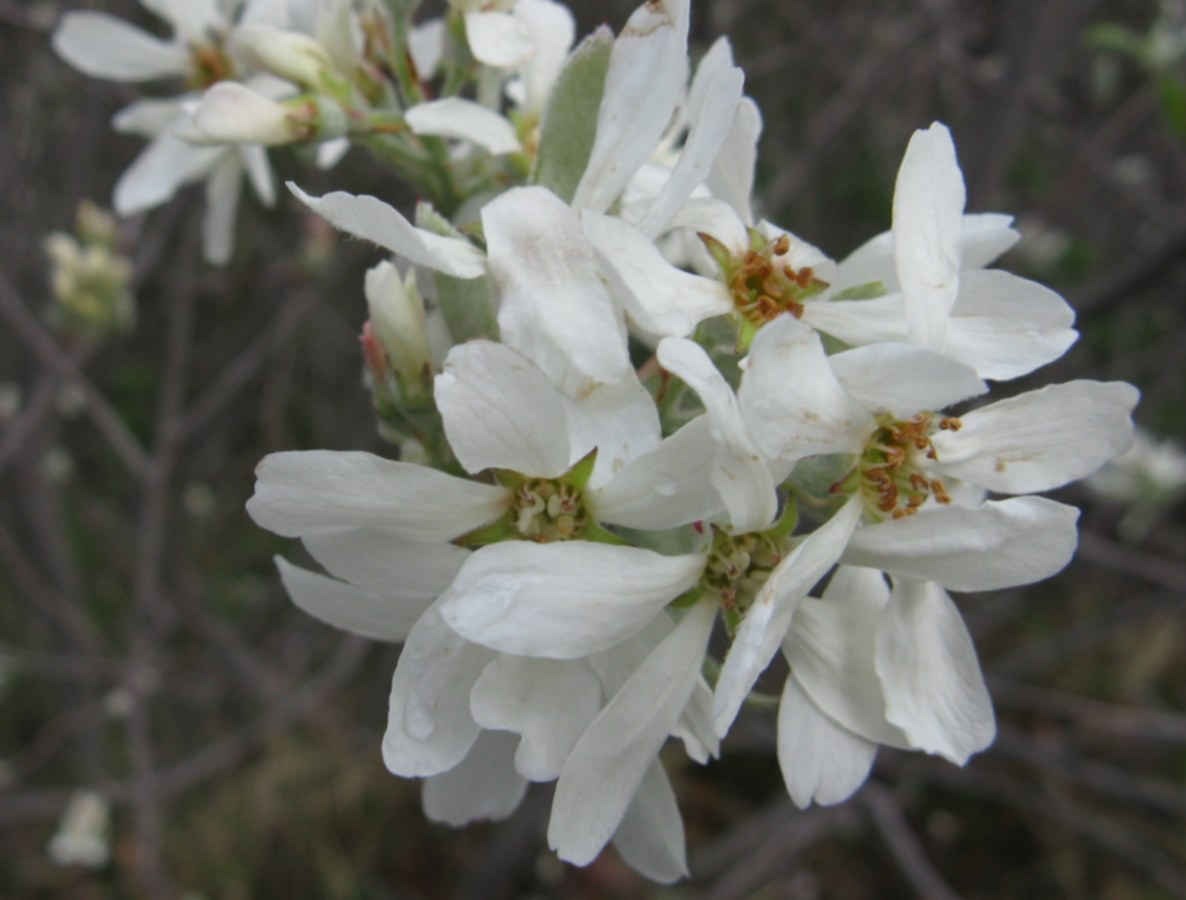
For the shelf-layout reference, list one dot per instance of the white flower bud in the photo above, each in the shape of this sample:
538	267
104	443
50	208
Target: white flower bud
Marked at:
397	316
287	54
231	113
81	838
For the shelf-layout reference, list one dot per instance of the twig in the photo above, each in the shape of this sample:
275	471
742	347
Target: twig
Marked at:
1131	561
98	410
899	837
21	429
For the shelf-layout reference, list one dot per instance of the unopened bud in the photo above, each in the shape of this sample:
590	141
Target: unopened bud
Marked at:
231	113
287	54
397	317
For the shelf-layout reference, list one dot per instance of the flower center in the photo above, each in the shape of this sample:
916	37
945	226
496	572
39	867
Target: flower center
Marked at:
892	470
738	565
543	511
209	63
764	285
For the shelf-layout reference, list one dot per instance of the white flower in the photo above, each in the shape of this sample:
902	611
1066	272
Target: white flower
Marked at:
82	838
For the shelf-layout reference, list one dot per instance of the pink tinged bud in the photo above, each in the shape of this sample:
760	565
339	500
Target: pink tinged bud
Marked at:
398	319
373	355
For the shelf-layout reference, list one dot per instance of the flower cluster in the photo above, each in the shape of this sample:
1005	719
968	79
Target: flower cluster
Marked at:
804	457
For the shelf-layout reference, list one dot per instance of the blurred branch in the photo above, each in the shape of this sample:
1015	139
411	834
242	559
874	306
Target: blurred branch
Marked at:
902	842
1131	561
98	410
1127	722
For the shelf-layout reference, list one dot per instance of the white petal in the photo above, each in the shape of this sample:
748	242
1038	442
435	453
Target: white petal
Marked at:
300	493
821	761
716	218
619	419
103	46
484	786
732	175
607	765
934	690
793	402
548	703
160	170
651	836
1041	440
553	306
740	474
984	237
149	116
553	30
373	220
429	726
646	75
695	725
859	322
710	127
1005	326
194	19
1000	544
254	160
928	213
667	487
500	411
337	603
224	186
830	650
904	379
497	38
562	600
767	620
330	153
662	299
426	45
453	117
383	563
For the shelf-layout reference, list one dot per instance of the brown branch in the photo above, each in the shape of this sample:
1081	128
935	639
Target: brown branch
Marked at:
903	844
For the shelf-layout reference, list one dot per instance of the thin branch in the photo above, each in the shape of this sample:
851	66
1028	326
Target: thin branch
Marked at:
55	359
907	851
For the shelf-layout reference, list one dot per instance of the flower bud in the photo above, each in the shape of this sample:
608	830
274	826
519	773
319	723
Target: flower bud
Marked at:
231	113
81	838
287	54
397	318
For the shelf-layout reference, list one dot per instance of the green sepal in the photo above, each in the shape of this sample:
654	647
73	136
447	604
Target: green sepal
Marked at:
595	533
746	332
569	123
578	476
732	619
870	290
494	532
509	478
785	526
719	252
466	303
688	598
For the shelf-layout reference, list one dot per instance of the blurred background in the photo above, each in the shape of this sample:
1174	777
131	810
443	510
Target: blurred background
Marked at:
154	678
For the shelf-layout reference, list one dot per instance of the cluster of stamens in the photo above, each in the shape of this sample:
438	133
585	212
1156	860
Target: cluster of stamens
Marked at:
764	288
544	511
738	566
891	471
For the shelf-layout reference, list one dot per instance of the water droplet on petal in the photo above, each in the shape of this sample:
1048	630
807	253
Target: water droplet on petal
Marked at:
418	721
666	486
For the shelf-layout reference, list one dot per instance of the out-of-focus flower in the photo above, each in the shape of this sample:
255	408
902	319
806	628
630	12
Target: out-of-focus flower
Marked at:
91	281
82	837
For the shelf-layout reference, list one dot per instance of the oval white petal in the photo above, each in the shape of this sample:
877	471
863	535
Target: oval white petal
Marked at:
1000	544
500	411
1041	440
607	765
454	117
497	39
562	600
821	761
381	618
651	836
103	46
484	786
548	703
429	725
160	170
373	220
386	564
905	380
934	690
299	493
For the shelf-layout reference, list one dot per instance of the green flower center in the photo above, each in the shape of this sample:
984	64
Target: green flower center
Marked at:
738	566
543	510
